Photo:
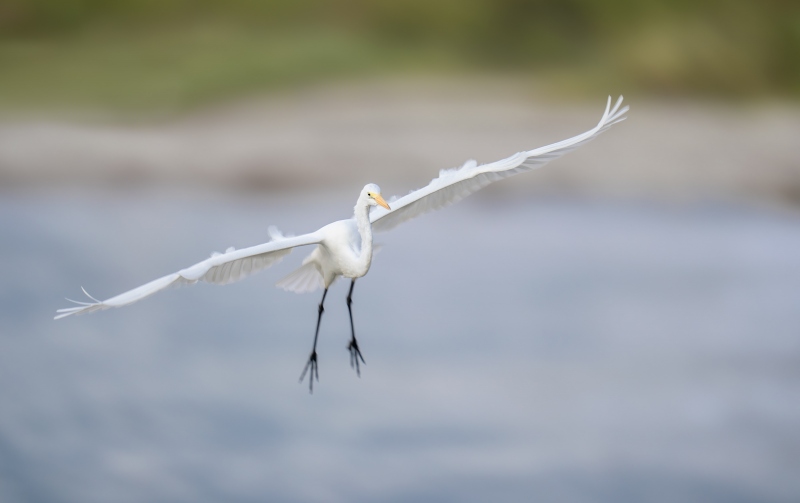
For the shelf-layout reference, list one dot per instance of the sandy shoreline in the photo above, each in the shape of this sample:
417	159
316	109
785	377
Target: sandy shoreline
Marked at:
401	135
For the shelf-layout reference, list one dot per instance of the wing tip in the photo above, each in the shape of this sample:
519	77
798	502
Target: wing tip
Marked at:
63	313
87	294
80	308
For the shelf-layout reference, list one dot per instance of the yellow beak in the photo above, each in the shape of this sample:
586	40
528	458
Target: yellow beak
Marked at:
379	199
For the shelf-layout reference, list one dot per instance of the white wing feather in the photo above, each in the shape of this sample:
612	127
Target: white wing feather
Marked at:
455	184
220	269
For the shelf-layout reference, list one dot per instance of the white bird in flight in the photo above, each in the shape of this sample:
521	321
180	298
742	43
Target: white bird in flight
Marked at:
344	248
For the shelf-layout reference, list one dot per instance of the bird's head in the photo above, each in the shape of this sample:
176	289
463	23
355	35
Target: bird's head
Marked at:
373	194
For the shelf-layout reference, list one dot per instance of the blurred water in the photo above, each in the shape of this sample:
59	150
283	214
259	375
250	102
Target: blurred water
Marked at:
517	350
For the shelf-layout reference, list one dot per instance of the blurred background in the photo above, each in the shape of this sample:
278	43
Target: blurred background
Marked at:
622	325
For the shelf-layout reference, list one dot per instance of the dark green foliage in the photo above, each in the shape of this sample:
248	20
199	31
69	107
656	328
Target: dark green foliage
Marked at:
180	52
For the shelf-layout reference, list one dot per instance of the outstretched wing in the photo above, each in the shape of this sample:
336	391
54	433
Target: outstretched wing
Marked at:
220	269
455	184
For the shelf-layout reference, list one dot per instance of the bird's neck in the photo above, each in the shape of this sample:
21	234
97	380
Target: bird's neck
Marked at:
365	231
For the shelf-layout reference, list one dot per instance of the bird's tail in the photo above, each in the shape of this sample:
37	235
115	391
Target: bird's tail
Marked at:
304	279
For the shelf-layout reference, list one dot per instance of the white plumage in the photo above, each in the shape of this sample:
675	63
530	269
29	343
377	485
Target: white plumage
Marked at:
344	248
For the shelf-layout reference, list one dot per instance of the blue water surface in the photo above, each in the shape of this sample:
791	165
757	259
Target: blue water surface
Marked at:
547	349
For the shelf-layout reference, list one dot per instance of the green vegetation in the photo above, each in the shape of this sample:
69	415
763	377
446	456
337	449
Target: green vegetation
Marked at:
150	54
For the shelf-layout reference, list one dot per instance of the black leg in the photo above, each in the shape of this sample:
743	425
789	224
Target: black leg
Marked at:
312	360
355	353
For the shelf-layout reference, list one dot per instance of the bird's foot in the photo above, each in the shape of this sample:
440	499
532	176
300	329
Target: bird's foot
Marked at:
355	356
311	365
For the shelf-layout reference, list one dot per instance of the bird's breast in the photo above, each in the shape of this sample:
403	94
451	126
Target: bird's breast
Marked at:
341	250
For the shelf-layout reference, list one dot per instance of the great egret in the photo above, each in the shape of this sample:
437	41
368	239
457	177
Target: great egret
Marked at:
344	248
